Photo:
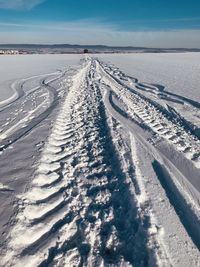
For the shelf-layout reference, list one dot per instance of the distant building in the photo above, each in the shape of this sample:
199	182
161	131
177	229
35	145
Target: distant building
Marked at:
9	52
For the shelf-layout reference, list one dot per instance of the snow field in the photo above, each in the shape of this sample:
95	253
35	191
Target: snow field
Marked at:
106	192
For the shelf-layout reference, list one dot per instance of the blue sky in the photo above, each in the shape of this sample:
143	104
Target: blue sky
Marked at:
152	23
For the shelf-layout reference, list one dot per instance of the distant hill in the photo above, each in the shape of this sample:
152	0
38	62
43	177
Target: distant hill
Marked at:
74	48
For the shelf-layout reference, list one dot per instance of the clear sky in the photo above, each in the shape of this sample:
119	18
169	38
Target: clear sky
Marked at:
151	23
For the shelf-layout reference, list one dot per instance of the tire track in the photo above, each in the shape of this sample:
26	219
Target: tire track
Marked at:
73	213
174	190
32	106
161	122
87	204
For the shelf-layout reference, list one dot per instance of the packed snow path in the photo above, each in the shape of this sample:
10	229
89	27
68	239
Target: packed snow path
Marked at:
110	188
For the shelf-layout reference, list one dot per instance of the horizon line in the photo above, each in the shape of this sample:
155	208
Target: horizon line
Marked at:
93	45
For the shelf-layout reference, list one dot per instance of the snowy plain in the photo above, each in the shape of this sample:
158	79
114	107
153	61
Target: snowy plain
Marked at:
178	72
17	67
100	161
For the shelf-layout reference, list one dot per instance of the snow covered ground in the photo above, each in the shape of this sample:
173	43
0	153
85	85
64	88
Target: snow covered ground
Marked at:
100	166
178	73
20	67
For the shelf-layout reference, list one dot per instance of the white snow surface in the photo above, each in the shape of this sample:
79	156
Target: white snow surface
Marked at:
115	179
23	66
178	72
